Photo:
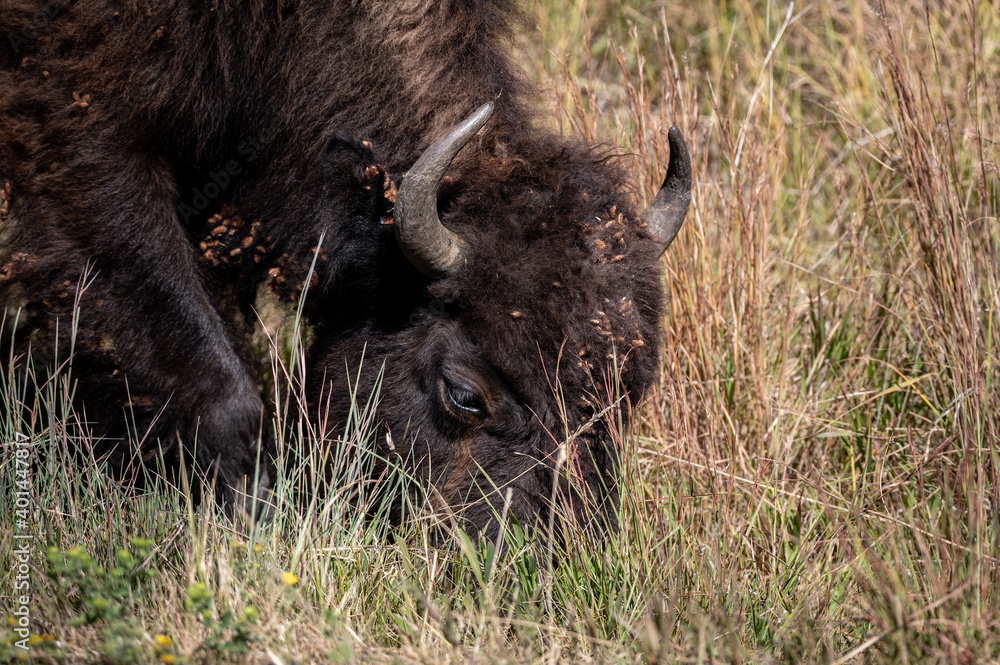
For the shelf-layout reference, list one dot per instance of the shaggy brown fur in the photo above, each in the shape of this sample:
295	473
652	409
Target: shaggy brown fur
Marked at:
131	130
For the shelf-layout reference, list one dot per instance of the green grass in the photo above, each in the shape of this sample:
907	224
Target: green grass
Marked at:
814	478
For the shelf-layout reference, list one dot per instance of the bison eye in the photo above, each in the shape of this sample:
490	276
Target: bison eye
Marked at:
464	400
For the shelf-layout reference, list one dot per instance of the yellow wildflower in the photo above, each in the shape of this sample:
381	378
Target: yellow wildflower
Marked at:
162	640
290	579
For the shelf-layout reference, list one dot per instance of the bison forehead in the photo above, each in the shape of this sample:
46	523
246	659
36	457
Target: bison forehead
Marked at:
566	310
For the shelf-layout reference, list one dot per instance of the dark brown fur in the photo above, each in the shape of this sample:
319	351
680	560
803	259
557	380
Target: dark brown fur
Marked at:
115	118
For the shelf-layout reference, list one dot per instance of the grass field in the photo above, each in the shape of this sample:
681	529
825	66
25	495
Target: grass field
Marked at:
815	478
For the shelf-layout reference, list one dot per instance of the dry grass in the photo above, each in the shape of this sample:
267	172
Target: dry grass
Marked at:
815	478
828	400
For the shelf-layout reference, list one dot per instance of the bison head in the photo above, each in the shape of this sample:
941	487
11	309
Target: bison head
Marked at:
532	325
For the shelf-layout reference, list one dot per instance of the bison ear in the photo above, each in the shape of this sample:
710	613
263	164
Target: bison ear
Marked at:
668	208
431	248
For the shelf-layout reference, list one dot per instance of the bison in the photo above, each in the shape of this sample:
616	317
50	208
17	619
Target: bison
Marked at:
161	160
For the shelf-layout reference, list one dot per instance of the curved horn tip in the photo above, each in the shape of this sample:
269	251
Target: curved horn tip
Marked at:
679	166
430	247
484	112
667	210
462	133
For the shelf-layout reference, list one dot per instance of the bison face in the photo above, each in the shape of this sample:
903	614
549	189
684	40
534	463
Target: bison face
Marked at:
465	417
505	386
452	418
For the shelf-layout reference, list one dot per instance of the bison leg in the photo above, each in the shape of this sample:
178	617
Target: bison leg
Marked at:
102	235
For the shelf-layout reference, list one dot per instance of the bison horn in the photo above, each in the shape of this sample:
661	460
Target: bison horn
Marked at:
668	208
430	247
